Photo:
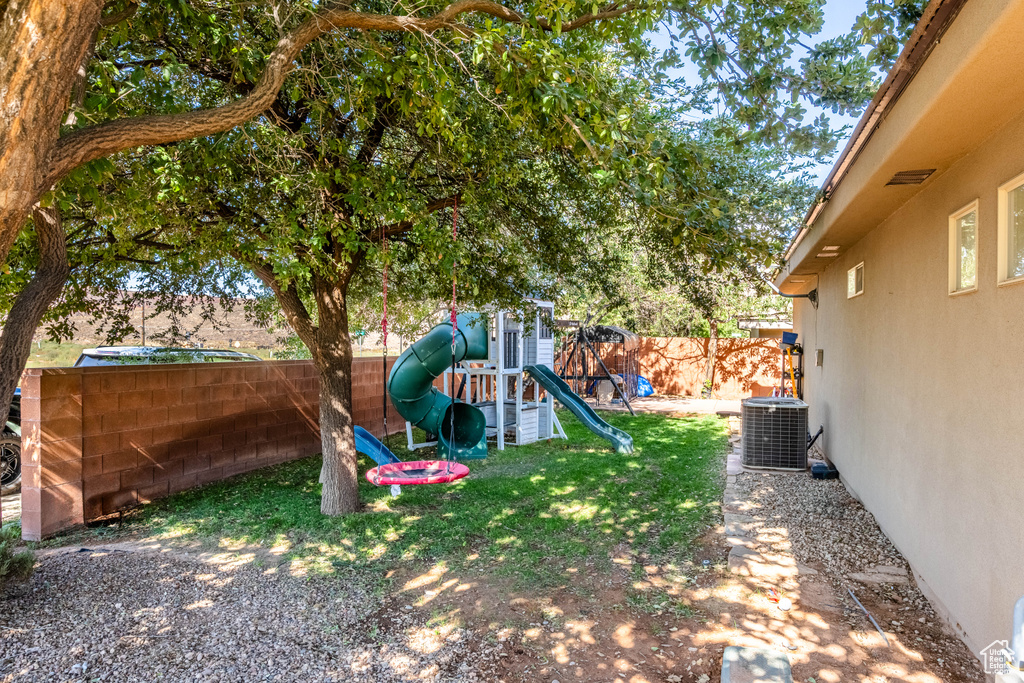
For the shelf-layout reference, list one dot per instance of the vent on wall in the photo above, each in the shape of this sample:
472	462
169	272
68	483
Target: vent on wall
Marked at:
775	433
911	177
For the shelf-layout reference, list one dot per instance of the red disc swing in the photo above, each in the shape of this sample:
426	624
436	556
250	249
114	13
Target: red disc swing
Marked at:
417	471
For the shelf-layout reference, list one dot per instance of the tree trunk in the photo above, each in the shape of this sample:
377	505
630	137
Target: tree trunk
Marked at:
42	44
331	347
32	303
340	475
709	370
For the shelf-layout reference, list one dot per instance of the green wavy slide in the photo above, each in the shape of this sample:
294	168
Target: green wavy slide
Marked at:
557	387
412	390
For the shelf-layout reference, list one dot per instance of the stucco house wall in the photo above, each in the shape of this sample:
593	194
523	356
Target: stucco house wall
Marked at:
922	393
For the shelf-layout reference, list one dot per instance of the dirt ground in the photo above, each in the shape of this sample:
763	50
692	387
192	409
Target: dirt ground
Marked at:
563	636
441	626
11	505
638	623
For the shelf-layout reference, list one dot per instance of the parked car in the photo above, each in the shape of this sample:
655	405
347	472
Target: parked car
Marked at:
10	448
144	355
10	436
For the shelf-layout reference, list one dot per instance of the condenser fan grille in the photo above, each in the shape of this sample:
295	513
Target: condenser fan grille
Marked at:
775	433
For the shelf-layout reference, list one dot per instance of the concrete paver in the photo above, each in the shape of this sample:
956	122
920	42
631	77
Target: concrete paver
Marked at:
755	665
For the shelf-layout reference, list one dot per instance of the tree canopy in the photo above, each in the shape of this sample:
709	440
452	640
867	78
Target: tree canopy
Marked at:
457	171
553	129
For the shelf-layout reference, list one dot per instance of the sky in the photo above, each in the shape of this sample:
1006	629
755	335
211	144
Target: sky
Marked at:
839	17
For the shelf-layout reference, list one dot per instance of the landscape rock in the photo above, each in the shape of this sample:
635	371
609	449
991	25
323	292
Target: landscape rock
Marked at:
112	615
882	574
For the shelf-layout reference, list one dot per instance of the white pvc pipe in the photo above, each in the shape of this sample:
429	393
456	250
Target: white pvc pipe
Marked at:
1017	637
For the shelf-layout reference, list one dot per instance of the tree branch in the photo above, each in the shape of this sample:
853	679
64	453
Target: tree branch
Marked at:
115	18
94	142
32	303
294	309
374	135
403	226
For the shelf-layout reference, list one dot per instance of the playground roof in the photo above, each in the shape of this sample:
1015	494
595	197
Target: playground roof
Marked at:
610	334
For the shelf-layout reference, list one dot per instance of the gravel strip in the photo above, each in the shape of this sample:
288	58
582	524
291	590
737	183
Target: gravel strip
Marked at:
109	615
823	526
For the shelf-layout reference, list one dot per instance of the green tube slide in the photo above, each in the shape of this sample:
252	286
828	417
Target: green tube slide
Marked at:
460	427
558	388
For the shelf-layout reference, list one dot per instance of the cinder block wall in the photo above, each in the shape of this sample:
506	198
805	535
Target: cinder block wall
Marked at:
676	365
96	440
743	367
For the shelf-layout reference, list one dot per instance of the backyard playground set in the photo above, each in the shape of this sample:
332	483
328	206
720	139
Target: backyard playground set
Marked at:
506	384
491	400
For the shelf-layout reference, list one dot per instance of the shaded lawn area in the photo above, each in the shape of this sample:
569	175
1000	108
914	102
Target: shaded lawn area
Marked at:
529	512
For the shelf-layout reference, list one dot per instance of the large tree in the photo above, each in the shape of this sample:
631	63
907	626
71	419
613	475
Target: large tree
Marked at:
371	171
63	35
126	74
349	176
511	110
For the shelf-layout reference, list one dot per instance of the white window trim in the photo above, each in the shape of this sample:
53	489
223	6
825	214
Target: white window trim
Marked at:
1004	228
954	250
861	292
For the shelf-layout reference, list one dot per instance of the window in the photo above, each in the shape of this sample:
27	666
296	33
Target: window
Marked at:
855	281
963	249
1011	231
544	316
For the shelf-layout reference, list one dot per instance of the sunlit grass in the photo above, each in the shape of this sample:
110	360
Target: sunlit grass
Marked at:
562	502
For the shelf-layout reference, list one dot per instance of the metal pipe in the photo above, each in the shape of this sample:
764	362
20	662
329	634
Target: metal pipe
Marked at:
884	637
811	296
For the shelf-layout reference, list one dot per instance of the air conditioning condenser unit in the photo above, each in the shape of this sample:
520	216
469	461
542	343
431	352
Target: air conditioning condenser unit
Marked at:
775	433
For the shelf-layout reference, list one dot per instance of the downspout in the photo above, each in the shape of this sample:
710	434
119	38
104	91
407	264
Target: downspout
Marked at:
811	296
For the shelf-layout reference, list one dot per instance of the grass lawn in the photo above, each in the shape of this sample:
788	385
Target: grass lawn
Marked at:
531	513
48	354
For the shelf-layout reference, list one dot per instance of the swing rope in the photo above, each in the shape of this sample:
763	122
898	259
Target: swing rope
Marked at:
384	337
420	471
455	328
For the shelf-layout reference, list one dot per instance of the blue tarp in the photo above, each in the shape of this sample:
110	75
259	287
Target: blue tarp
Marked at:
643	387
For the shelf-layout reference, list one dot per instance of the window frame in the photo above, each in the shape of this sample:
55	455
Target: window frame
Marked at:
1003	241
854	271
954	248
544	332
